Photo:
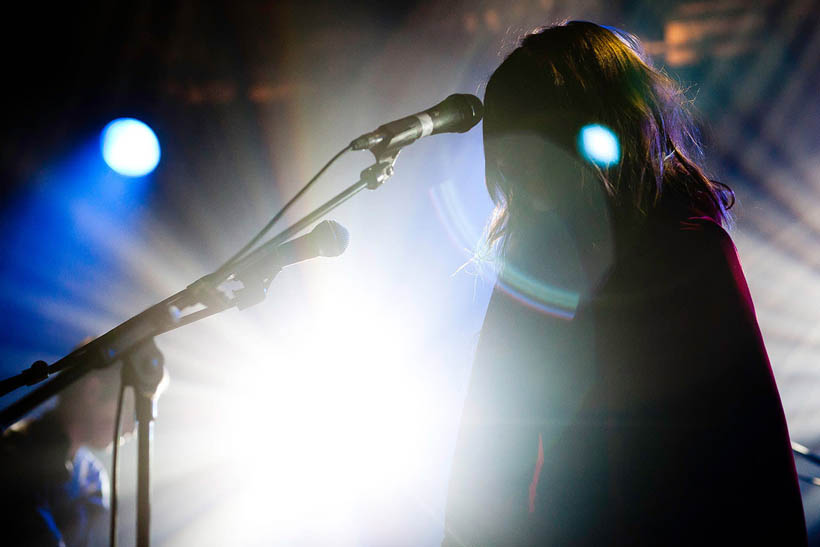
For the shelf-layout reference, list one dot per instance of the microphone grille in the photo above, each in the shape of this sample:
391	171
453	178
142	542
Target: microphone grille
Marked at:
330	237
470	108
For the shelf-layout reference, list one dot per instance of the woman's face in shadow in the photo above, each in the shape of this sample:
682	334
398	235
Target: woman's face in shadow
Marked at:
541	174
544	180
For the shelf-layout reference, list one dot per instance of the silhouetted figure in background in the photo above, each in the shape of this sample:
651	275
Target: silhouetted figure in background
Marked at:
621	392
54	490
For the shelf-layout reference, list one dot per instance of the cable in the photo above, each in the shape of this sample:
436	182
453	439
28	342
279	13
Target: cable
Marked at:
112	538
228	263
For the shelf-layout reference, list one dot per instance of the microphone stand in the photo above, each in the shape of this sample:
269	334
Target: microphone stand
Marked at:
133	340
143	371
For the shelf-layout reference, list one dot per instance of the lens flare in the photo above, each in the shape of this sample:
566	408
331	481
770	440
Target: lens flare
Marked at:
538	295
599	145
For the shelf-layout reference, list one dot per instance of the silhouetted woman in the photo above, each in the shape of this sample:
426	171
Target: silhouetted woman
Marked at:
621	392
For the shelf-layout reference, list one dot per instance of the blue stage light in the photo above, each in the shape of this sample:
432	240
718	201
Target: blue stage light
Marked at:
599	145
130	147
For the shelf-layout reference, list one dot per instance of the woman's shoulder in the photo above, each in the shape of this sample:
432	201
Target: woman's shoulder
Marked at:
703	256
704	239
692	238
672	255
707	226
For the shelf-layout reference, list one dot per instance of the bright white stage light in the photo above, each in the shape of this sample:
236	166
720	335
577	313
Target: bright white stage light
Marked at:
320	406
599	145
130	147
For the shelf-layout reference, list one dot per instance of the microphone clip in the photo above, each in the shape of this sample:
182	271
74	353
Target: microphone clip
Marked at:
378	173
254	288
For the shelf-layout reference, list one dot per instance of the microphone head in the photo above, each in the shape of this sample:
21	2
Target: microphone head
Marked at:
469	108
330	238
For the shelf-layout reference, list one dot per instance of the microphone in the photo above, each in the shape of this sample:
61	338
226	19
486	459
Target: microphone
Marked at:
256	270
457	113
328	238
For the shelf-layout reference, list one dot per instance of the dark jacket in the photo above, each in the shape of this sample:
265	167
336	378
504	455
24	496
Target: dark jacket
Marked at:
645	415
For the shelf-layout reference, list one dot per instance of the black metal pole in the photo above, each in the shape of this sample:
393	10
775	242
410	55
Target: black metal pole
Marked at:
145	428
144	371
16	410
101	352
371	178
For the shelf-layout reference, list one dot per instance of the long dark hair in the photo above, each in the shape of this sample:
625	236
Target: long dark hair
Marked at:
564	77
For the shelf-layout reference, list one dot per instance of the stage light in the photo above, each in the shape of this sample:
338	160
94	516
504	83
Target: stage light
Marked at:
599	145
130	147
